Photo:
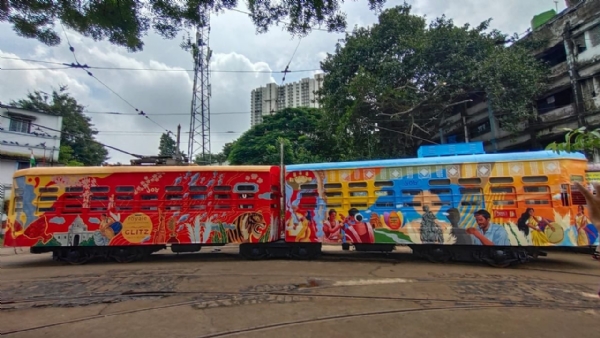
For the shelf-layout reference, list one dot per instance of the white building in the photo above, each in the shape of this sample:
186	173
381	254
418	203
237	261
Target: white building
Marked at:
272	98
23	132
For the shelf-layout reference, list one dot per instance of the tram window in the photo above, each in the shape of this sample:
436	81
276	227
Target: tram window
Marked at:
384	193
411	192
173	197
413	204
249	188
308	206
222	196
99	198
74	189
504	202
222	188
502	190
564	195
442	204
173	207
99	189
125	189
577	197
333	194
537	202
222	206
469	181
501	180
49	189
470	203
535	179
439	182
332	186
439	191
358	205
357	185
333	206
124	197
45	209
384	184
149	197
576	178
384	204
308	186
470	191
124	208
246	196
174	188
98	209
246	206
196	188
358	193
310	194
149	208
198	207
535	189
47	198
198	196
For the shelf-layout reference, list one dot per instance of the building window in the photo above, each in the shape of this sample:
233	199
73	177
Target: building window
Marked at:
19	125
595	36
480	129
580	45
23	165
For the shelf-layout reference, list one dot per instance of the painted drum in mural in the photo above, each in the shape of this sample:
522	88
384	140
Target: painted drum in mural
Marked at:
122	206
519	199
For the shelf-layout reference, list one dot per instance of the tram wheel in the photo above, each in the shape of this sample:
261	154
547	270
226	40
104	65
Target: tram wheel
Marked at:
128	255
75	257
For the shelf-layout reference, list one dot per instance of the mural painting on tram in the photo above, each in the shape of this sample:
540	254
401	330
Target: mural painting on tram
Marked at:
165	207
445	204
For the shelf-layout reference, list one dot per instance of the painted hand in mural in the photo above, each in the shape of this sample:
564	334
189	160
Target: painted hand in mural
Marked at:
593	203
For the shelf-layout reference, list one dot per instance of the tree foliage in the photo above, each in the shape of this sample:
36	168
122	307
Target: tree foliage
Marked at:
219	159
579	139
167	145
406	75
78	136
125	22
300	129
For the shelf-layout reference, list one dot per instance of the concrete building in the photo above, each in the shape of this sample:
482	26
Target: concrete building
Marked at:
272	98
572	100
21	135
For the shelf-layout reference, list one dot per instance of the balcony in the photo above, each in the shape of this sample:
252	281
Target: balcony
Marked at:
557	113
23	144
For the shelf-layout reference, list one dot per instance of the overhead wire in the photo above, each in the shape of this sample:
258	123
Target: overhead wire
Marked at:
83	67
85	136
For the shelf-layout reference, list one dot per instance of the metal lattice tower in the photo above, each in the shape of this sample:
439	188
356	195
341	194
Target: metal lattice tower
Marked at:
199	142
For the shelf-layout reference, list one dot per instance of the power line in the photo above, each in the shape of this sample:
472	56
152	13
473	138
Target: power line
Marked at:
74	65
79	65
83	136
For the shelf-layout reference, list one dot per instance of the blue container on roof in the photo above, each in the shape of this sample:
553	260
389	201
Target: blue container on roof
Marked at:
471	148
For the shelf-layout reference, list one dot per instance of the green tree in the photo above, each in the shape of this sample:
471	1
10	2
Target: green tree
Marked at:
210	159
125	22
578	140
77	130
406	75
300	129
167	145
65	156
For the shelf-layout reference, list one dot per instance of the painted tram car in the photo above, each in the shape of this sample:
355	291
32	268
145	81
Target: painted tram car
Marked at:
495	208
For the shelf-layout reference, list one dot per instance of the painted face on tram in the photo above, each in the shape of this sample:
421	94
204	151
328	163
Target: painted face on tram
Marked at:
481	221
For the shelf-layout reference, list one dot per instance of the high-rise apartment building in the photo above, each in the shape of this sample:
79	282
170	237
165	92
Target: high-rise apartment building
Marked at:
272	98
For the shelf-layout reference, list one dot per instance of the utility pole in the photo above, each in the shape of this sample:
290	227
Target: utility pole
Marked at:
200	113
179	153
574	76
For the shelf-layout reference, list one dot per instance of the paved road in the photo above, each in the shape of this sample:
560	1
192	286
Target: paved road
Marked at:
342	295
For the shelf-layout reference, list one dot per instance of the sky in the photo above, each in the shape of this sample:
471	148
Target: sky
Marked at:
163	89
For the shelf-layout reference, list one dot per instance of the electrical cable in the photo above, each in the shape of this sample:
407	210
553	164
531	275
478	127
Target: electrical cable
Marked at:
74	135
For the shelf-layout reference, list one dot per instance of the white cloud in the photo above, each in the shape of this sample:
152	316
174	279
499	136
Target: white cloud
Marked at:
235	46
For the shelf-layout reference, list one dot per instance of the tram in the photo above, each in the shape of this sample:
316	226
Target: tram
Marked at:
451	202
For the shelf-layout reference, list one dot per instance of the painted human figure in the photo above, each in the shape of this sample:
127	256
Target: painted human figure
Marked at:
430	231
487	233
332	227
462	237
356	230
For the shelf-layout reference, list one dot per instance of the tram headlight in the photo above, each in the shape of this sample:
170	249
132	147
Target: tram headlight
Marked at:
358	217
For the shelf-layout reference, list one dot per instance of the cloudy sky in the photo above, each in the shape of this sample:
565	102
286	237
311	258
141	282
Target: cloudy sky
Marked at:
165	91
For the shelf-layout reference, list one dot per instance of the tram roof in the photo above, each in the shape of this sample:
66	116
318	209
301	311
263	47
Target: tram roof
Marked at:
40	171
441	160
